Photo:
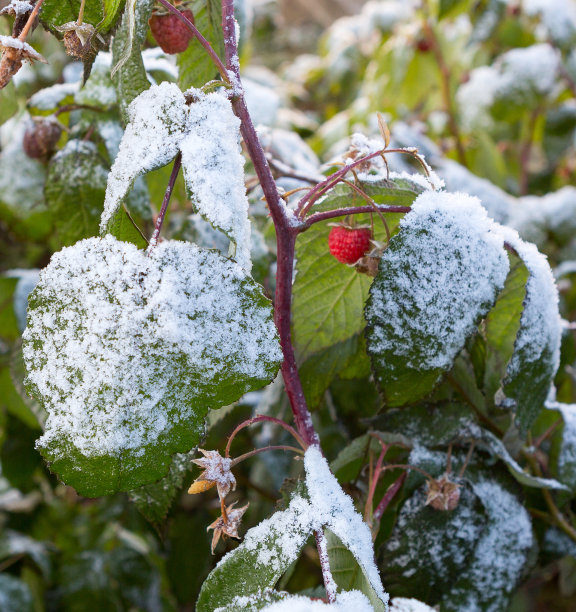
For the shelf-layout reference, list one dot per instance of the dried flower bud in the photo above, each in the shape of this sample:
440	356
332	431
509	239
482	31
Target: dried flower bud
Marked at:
78	38
227	524
443	494
217	471
41	137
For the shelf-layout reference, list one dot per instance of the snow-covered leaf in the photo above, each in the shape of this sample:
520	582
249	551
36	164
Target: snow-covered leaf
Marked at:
128	351
15	594
437	279
214	169
265	554
536	353
566	457
152	138
74	190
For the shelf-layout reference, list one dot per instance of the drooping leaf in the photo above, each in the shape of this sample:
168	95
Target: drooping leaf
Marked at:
266	553
152	138
214	169
437	279
74	190
502	324
129	76
195	67
154	500
348	574
128	351
536	353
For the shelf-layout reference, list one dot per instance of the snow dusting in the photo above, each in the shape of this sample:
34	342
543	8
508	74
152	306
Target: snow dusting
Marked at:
403	604
540	331
448	265
345	602
113	332
214	169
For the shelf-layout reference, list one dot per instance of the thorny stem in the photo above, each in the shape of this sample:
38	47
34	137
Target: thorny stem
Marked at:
217	61
329	583
165	201
285	234
30	22
445	78
259	419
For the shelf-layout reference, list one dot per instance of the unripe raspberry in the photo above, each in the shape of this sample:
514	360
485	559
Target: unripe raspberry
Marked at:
170	32
349	244
41	138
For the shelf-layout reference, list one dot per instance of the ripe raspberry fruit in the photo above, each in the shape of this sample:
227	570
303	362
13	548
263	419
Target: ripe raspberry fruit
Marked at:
170	32
348	244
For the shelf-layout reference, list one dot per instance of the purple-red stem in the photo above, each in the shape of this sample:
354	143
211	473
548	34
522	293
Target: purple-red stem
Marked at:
259	419
165	201
286	234
351	210
374	482
388	496
217	61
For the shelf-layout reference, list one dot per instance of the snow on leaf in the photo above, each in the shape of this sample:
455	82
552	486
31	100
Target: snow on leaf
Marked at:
439	276
334	509
536	353
128	352
157	123
214	169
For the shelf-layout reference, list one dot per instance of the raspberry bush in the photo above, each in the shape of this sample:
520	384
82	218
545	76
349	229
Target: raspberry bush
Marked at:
201	407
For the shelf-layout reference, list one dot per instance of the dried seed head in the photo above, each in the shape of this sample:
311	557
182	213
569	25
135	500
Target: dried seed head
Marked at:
217	470
227	526
443	493
41	137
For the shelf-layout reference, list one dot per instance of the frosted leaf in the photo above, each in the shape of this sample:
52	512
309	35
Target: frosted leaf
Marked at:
334	509
557	16
214	169
567	452
157	122
128	352
403	604
439	276
537	347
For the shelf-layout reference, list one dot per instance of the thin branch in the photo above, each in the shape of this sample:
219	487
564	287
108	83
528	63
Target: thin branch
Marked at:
374	478
217	61
30	22
351	210
259	419
388	496
241	458
165	201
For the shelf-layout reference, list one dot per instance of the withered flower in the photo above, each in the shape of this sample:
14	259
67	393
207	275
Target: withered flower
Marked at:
14	52
443	493
227	524
78	38
17	8
217	472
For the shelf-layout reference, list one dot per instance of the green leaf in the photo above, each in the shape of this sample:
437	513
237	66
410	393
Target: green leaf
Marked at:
328	298
8	322
503	323
566	454
15	594
266	553
124	228
58	12
146	344
439	276
195	67
112	10
154	500
451	8
74	190
348	574
537	346
8	102
129	76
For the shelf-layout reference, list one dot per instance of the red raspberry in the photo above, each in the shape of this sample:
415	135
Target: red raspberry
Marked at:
170	32
348	244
